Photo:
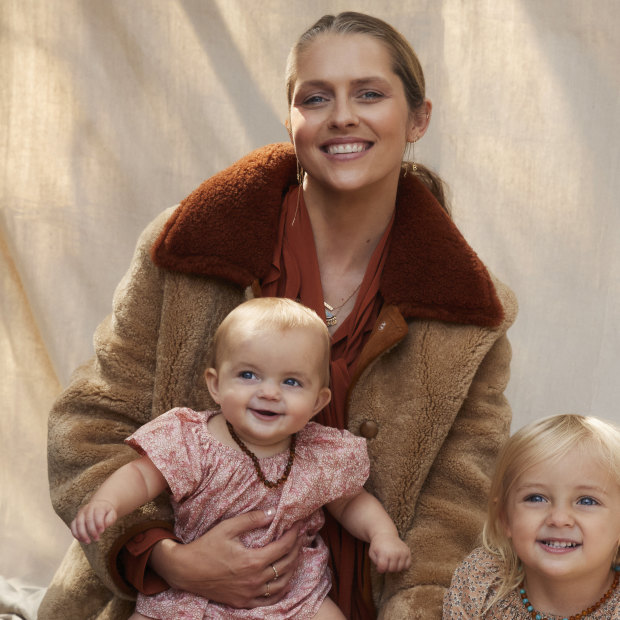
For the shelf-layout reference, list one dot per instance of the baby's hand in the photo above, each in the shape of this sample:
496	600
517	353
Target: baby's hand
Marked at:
92	520
389	553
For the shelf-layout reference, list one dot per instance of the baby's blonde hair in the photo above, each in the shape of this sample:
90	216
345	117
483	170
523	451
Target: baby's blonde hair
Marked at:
546	439
264	314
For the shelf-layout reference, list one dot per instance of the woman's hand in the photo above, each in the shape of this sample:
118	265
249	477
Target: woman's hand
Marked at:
219	567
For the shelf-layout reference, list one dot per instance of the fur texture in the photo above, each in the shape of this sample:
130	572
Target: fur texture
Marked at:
227	228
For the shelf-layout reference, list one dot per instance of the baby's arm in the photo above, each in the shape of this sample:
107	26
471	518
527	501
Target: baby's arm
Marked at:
364	517
125	490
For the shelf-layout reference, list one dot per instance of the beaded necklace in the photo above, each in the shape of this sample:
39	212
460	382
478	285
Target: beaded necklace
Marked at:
582	614
261	476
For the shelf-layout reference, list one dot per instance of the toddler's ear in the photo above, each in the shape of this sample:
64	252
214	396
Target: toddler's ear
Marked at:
212	383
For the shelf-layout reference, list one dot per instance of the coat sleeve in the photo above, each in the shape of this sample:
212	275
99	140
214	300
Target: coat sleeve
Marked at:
450	507
108	398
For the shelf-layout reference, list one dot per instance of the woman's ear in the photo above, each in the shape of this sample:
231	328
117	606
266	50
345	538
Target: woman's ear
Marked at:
322	399
212	383
419	121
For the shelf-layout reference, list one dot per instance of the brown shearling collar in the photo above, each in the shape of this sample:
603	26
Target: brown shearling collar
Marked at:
227	228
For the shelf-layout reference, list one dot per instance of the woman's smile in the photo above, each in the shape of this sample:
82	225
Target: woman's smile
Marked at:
346	147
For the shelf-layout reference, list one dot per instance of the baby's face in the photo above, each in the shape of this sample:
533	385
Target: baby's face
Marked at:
269	385
563	518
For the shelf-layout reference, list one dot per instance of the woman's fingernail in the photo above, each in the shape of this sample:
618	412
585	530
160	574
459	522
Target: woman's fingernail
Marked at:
270	512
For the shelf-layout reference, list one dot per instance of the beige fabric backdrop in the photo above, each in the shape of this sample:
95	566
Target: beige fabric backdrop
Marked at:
113	110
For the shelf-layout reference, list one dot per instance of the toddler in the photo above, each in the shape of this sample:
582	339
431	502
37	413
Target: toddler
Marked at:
550	541
269	376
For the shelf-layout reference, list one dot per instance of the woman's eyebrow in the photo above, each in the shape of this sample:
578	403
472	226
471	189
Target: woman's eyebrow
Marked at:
356	82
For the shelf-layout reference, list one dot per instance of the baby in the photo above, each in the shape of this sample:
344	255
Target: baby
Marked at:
269	376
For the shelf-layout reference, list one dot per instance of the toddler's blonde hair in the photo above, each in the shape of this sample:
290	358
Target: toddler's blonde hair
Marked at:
546	439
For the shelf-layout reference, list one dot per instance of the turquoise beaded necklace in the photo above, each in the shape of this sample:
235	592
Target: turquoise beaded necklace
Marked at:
582	614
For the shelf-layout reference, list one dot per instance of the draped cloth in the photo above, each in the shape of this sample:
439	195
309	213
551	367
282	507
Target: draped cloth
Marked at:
295	274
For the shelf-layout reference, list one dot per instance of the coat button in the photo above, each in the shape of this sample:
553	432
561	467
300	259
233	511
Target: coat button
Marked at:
369	429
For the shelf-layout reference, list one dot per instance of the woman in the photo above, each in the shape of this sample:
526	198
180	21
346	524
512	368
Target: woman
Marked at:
420	357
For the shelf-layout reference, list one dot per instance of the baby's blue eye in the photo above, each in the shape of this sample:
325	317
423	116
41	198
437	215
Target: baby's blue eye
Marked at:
292	382
587	501
247	374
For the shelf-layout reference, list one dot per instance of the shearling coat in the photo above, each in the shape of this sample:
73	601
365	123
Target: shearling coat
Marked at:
427	393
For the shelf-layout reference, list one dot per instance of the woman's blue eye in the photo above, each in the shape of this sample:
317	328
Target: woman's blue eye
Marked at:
587	501
534	498
314	99
371	94
292	382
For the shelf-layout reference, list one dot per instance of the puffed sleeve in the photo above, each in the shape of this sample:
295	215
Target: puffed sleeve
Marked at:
108	398
342	463
329	464
172	441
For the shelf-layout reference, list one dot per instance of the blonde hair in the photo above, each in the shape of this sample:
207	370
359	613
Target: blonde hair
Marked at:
405	65
264	314
546	439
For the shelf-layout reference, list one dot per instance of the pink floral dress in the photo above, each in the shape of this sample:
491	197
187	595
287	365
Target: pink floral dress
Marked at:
210	482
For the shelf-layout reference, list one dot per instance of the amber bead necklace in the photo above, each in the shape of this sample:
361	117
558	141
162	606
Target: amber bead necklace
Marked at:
261	476
582	614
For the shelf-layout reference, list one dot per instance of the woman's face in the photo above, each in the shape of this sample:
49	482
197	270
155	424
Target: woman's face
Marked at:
349	117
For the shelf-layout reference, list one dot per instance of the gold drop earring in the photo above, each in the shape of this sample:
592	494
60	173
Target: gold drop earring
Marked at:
409	156
414	166
300	180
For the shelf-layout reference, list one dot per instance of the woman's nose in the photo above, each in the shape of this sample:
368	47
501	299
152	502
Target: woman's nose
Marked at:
343	113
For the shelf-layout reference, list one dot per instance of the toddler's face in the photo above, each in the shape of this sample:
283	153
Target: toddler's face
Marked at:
563	517
269	385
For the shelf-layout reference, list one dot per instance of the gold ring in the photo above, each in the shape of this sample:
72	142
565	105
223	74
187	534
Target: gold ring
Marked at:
267	594
275	572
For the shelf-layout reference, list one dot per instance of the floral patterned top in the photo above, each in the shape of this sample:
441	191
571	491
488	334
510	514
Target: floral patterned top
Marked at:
210	482
475	582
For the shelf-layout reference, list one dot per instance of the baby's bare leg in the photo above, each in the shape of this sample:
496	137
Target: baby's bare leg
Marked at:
329	611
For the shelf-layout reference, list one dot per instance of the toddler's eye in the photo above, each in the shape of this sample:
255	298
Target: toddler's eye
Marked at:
292	382
247	374
535	498
587	501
